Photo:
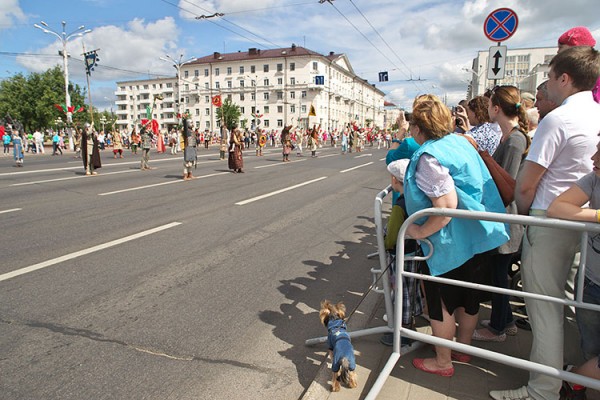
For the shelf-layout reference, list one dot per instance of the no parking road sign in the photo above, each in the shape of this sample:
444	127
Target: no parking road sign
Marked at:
501	24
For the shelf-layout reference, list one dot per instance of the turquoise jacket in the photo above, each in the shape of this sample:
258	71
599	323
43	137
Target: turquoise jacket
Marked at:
461	239
406	149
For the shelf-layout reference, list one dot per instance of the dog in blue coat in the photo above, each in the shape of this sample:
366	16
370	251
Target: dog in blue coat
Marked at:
343	363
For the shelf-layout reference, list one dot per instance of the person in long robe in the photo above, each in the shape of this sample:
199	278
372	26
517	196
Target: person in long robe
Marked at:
90	152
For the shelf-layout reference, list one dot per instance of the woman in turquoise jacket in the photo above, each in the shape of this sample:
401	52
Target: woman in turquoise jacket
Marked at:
447	172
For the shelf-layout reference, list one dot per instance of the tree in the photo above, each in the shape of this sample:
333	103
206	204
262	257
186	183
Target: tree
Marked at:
231	113
31	99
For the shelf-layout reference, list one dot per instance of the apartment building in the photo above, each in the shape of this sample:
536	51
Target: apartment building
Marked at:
276	86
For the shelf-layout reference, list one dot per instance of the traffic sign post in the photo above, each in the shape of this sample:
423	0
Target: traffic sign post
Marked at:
496	62
500	25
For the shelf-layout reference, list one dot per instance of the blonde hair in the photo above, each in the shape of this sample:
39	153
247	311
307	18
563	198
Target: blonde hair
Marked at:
432	117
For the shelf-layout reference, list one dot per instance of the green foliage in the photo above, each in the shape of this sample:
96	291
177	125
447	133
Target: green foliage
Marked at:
30	99
230	112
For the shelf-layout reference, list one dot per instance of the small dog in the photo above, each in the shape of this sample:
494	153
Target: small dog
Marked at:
343	363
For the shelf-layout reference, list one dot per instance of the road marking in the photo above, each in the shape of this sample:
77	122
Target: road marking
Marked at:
158	184
353	168
279	163
328	155
264	196
71	177
11	210
382	159
84	252
364	155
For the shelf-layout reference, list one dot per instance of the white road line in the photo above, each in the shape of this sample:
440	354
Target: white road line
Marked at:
158	184
84	252
382	159
264	196
279	163
328	155
11	210
353	168
72	177
364	155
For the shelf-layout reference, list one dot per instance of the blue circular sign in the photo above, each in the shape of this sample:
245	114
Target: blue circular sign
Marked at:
501	24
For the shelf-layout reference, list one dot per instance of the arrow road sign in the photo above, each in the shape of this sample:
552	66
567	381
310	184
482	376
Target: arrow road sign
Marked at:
496	62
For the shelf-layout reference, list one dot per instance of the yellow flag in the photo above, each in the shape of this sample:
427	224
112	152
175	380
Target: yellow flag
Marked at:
312	112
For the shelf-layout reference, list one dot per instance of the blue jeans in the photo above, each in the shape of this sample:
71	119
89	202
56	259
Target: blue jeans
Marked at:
589	321
502	315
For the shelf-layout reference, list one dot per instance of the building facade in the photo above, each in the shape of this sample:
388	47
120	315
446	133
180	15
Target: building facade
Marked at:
524	68
273	88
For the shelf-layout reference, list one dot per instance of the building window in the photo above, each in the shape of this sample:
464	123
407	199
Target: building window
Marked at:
304	94
206	72
229	97
216	71
197	112
280	123
279	95
207	125
229	70
267	110
266	68
196	73
292	66
207	99
280	81
292	81
186	87
315	66
207	111
293	109
206	85
253	69
266	122
242	110
242	83
241	69
253	96
242	97
169	85
279	109
217	85
229	84
303	109
186	74
279	67
266	82
266	96
292	95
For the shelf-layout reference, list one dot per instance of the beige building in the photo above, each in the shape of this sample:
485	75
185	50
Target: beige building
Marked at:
278	86
524	68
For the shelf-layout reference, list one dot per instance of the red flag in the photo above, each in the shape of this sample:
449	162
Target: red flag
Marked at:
155	126
60	107
216	101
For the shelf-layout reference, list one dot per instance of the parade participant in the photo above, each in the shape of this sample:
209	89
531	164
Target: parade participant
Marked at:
313	141
146	138
207	137
6	139
90	152
17	140
173	141
117	145
38	139
189	145
261	142
135	141
235	161
286	141
160	143
344	141
77	142
299	139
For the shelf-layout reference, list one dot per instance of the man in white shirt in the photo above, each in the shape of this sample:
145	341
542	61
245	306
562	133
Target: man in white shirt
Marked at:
38	139
559	155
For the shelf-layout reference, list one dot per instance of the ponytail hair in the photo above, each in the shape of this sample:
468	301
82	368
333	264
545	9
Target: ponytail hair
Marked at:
508	99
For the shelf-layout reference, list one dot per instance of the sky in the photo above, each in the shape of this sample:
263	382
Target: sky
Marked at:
424	45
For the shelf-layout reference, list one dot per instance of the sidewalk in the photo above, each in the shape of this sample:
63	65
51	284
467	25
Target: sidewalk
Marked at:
471	381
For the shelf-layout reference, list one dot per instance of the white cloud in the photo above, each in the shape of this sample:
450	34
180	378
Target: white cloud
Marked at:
140	44
9	12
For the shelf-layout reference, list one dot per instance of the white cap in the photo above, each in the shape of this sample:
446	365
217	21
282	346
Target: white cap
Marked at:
398	168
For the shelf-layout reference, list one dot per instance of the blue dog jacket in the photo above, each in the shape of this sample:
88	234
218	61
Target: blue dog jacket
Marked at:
339	342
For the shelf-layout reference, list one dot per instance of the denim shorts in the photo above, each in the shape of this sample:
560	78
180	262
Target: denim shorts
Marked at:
589	321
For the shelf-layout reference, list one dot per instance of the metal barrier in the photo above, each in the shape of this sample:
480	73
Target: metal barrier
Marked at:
381	275
399	331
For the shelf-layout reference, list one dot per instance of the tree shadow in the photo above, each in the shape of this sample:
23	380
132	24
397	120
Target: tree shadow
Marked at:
345	277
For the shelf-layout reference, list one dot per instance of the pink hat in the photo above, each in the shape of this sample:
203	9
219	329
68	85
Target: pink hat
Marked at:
578	36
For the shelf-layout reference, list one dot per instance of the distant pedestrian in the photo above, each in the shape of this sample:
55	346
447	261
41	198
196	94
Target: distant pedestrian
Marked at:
146	138
6	139
18	140
56	144
135	141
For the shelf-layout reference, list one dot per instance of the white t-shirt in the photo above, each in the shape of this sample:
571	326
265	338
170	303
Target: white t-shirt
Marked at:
564	143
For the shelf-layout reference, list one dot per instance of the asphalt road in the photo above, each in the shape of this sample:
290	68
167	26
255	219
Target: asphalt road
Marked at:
137	285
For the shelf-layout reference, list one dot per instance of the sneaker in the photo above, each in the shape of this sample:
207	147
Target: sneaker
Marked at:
517	394
510	330
484	335
568	392
388	340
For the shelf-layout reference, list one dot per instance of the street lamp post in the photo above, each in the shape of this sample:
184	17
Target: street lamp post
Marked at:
64	38
103	122
177	64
